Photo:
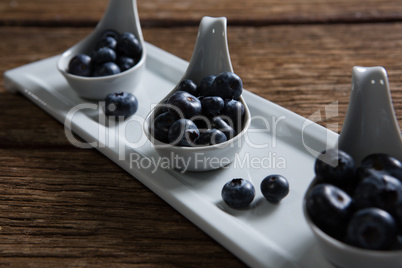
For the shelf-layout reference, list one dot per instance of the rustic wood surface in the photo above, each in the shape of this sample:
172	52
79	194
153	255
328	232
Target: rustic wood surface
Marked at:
61	206
177	12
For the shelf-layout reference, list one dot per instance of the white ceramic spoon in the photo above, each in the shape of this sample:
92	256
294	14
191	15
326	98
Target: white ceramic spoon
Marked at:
210	57
122	16
370	125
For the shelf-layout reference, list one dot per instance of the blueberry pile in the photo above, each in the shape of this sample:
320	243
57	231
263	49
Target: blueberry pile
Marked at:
239	193
113	53
360	205
200	115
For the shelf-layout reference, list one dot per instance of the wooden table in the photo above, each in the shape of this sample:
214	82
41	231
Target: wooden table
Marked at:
61	206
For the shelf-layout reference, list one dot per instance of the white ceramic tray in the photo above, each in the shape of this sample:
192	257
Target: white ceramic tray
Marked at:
278	141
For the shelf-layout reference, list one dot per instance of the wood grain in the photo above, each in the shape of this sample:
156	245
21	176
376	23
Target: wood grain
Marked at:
302	68
61	206
178	12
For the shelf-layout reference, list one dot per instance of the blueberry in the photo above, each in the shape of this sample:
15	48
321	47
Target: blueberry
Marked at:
128	45
383	163
274	188
398	215
104	55
398	244
336	167
330	208
238	193
372	228
189	86
379	190
161	125
233	113
203	123
227	85
108	68
210	137
125	63
121	104
219	123
184	104
107	41
183	132
211	106
110	33
80	64
205	86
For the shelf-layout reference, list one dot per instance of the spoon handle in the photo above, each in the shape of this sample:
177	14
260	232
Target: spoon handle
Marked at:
370	125
211	52
121	14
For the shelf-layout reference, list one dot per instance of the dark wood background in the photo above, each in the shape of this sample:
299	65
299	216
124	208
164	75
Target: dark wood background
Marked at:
68	207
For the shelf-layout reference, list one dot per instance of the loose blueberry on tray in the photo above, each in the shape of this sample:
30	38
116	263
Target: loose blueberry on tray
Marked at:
121	104
274	188
113	53
238	193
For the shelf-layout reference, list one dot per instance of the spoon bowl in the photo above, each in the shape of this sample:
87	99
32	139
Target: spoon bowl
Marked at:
121	16
210	57
347	256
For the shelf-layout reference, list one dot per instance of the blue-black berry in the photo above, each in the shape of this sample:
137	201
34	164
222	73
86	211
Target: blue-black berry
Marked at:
184	104
108	68
274	188
189	86
227	85
112	53
121	104
238	193
372	228
211	137
183	132
81	64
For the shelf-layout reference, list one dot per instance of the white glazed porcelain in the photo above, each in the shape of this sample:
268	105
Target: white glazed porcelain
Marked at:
210	56
122	16
346	256
370	125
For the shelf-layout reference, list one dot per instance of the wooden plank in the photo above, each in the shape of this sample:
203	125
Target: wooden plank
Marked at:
303	68
75	208
178	12
64	206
